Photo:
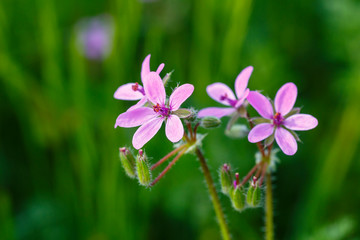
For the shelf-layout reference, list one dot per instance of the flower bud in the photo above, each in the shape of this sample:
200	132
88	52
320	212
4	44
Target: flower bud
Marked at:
253	195
225	178
210	122
237	131
143	169
127	161
238	198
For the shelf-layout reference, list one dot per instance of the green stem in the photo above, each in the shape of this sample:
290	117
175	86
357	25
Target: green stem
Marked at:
214	197
269	209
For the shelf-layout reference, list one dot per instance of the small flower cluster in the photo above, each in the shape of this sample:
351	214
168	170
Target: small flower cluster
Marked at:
278	121
153	108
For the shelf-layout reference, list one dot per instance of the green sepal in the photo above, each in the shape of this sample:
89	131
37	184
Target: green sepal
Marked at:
238	198
292	112
259	120
226	180
127	160
182	113
143	170
167	78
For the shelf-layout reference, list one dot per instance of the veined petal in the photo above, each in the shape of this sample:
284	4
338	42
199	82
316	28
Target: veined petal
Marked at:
160	68
146	132
301	122
217	91
215	112
174	129
285	98
286	141
135	117
138	104
261	104
242	99
260	132
125	92
154	88
145	67
179	96
242	80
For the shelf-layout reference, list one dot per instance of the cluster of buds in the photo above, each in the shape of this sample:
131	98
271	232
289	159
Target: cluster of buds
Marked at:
136	167
240	197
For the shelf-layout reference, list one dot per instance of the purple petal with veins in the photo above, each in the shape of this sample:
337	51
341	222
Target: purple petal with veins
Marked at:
174	129
286	141
261	104
285	98
146	132
179	95
215	112
242	80
301	122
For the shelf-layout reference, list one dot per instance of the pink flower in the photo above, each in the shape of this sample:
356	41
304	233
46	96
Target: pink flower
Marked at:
223	94
161	111
134	91
283	121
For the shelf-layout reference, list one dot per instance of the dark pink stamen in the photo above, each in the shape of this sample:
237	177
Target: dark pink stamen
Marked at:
163	111
137	87
278	119
226	98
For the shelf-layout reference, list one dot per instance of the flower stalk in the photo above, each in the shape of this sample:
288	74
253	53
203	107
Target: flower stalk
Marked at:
214	196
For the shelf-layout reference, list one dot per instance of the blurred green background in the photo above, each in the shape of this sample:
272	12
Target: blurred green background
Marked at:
60	177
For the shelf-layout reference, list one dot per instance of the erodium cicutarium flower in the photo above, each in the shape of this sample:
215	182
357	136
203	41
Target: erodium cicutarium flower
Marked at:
281	120
221	93
161	110
134	91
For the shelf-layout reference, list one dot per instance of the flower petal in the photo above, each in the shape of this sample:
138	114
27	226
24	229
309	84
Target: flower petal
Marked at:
301	122
286	141
146	132
125	92
145	67
215	112
261	104
160	68
260	132
218	90
285	98
242	80
179	96
154	88
135	117
138	104
174	129
242	99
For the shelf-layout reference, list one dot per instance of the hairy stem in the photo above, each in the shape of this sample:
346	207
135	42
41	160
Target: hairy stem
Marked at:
168	167
214	196
269	224
167	156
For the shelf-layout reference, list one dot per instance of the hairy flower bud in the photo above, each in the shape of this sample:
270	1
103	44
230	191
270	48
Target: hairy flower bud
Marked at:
253	195
237	131
143	169
226	178
210	122
127	161
238	198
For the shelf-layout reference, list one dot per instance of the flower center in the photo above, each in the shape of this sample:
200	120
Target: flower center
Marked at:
162	110
226	98
137	87
278	119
